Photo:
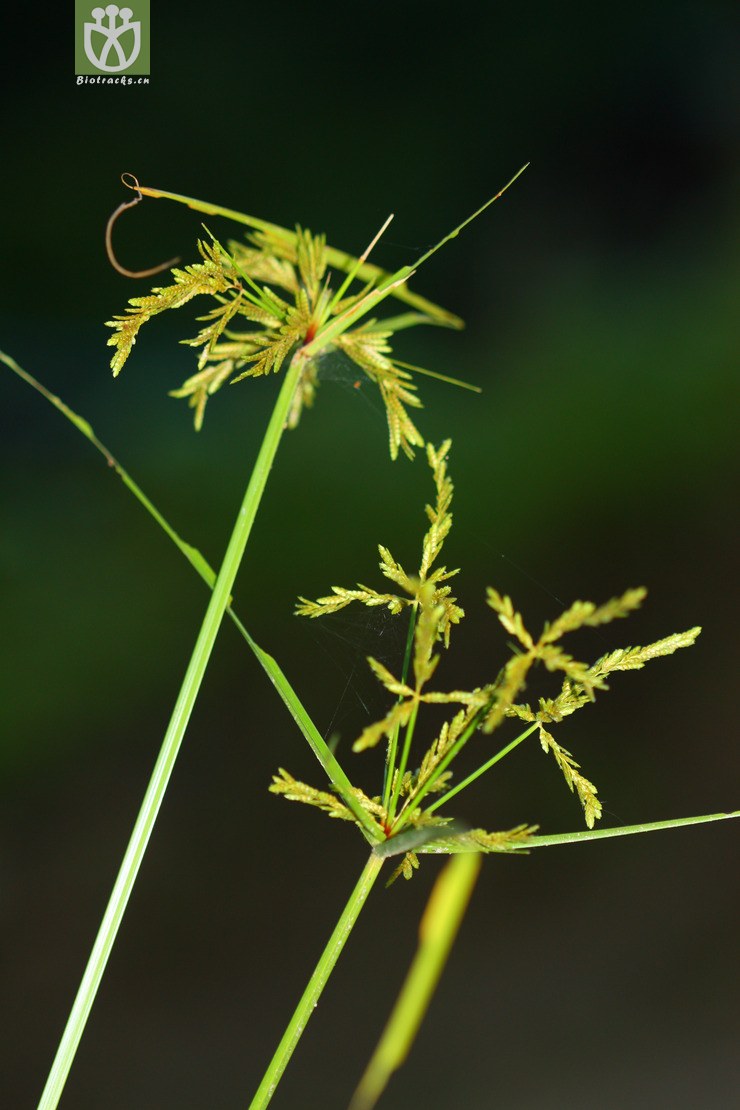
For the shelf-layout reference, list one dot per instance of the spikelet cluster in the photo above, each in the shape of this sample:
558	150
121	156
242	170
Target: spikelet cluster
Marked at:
273	299
408	807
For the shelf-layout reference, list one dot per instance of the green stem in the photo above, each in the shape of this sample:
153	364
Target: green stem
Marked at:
624	830
403	762
336	258
170	746
317	743
439	925
390	762
415	802
370	827
316	983
482	769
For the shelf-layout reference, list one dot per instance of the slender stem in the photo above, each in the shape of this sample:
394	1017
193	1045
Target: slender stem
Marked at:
352	273
624	830
454	233
403	762
370	827
439	925
390	761
336	258
482	770
155	791
317	743
316	983
443	764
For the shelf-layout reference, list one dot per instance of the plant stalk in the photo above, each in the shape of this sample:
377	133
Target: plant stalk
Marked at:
316	983
482	769
155	791
201	566
390	759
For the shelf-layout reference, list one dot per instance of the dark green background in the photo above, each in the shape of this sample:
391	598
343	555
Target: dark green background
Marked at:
599	299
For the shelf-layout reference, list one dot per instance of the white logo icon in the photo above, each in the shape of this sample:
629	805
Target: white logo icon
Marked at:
111	31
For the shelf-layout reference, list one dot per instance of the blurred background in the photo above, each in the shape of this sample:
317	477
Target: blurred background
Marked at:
600	300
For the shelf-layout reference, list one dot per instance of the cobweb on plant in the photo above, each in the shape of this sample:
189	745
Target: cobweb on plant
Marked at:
337	370
343	641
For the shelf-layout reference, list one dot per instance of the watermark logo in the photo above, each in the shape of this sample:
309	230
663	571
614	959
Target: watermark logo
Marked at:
111	40
103	38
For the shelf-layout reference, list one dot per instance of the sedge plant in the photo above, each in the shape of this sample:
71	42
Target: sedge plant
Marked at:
282	301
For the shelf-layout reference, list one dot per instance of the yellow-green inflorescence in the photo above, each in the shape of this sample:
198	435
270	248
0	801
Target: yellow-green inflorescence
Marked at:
275	297
407	807
286	295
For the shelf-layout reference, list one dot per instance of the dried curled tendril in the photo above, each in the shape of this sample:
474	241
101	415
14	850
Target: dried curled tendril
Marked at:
130	182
